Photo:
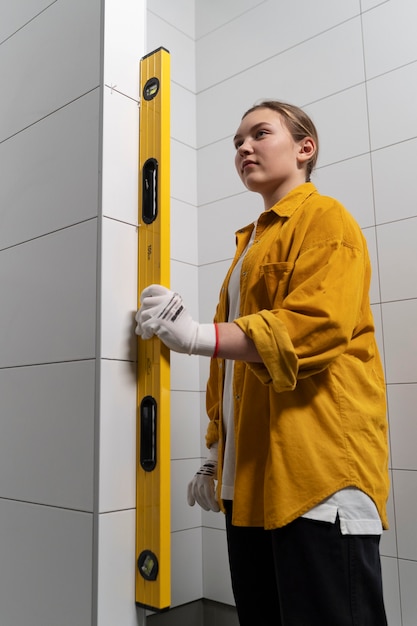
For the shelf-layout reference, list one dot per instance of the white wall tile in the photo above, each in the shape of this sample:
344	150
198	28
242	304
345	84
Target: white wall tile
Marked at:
216	574
405	496
185	372
180	46
391	588
335	180
184	241
388	545
120	157
393	193
119	290
47	425
185	424
342	124
186	562
218	222
366	5
374	292
117	436
183	516
117	563
62	65
183	115
49	313
319	74
377	314
408	573
211	276
217	176
48	552
210	16
397	253
50	173
204	375
124	44
400	341
389	36
180	14
226	51
183	173
392	101
18	14
184	279
402	400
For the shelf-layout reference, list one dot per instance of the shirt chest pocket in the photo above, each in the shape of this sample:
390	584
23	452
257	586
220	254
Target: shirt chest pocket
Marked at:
277	277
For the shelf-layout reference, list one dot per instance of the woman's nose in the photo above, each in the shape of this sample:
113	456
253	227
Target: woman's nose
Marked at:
245	147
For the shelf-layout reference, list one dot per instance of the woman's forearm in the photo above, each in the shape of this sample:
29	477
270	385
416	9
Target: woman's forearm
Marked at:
233	344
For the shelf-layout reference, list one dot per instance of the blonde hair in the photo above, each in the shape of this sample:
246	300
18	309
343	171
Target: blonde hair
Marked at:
299	124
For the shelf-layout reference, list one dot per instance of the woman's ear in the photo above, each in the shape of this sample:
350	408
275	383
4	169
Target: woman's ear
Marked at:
307	148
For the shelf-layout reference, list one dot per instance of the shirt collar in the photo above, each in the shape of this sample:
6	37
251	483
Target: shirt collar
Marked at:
293	200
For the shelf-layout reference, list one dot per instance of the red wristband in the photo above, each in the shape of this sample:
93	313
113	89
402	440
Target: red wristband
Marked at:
216	349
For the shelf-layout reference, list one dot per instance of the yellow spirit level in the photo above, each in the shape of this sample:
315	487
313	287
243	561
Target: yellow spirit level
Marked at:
153	524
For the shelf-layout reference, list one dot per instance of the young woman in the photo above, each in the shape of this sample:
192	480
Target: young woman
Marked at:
297	432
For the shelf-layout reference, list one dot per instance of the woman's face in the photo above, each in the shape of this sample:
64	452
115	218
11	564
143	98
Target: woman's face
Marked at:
268	160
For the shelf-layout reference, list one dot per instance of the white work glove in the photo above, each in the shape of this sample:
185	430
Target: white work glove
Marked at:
202	487
162	313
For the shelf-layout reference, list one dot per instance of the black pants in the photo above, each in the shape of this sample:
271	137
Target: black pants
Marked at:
305	574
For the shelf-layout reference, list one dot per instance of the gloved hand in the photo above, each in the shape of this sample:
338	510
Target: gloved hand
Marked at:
202	487
162	313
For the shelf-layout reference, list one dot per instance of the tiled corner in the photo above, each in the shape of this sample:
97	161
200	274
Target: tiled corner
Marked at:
185	424
183	516
186	563
120	157
119	290
117	487
116	567
217	583
124	44
180	45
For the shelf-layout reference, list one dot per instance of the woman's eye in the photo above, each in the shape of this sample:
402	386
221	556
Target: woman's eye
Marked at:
261	133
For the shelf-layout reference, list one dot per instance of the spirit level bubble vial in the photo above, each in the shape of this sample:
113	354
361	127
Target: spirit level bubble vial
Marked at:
153	523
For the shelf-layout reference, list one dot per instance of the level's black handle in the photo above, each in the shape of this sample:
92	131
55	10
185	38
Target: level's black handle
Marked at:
148	417
150	191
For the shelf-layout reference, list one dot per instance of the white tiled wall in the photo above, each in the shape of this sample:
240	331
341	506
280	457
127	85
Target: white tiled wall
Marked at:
352	65
49	157
124	45
68	243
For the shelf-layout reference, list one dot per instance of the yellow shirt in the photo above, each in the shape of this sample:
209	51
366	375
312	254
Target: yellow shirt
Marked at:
311	419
